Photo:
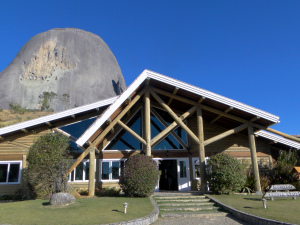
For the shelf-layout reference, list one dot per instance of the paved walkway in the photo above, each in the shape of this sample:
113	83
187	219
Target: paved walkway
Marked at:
200	221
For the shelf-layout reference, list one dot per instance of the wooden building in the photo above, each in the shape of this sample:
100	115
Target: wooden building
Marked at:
176	123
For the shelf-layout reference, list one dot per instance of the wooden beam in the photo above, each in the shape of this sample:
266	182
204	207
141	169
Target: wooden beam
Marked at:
92	173
166	131
147	81
201	150
147	122
172	131
135	135
79	159
225	134
208	108
201	99
174	116
49	124
25	131
254	158
73	116
113	123
65	134
2	138
219	116
171	99
283	134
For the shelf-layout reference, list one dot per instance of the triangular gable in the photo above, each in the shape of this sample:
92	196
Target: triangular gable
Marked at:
265	118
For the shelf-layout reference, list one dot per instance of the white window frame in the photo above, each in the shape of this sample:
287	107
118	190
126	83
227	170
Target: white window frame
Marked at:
8	169
110	161
194	169
83	175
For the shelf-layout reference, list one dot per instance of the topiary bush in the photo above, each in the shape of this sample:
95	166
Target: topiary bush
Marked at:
139	176
226	174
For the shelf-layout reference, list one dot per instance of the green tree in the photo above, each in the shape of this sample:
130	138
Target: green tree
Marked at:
48	160
226	174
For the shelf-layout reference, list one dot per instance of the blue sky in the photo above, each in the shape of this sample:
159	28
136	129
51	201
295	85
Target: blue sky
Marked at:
245	50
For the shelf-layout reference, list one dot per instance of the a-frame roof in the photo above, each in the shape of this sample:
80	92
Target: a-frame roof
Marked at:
212	103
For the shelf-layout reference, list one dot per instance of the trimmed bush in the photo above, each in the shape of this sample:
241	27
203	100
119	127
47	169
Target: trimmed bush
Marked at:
139	176
227	174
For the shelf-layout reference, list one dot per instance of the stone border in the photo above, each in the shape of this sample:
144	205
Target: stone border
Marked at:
245	216
144	220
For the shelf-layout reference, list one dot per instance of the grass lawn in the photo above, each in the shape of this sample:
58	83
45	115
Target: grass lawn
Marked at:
281	209
84	211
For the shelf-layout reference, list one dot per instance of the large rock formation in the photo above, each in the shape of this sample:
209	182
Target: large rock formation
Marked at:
61	69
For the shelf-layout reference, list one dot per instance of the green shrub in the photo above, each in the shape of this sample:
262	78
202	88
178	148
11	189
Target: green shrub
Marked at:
16	108
107	191
249	185
226	175
48	161
139	176
285	163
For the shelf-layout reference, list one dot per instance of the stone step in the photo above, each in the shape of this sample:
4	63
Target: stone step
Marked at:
181	197
186	204
182	200
193	214
189	208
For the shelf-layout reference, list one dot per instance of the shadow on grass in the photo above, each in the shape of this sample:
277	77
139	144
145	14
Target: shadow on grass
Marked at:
116	210
46	203
253	199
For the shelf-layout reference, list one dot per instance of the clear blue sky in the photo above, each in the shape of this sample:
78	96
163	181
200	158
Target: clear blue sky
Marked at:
245	50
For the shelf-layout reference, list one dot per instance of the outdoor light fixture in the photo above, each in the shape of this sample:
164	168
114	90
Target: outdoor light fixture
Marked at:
125	206
264	202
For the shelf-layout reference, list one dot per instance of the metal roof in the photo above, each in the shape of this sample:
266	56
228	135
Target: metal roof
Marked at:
55	116
278	139
165	80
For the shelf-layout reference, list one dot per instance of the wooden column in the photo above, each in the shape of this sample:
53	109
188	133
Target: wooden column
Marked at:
147	123
254	158
92	173
24	165
201	150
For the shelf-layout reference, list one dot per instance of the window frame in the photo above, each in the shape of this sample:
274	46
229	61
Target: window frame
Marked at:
110	161
83	174
8	170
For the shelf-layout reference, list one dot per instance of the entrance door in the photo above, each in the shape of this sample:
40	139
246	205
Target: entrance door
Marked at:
168	179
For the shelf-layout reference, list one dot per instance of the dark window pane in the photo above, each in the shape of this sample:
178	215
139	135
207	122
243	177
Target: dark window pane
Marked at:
14	173
79	172
105	170
115	170
197	169
124	140
72	176
182	165
87	170
3	172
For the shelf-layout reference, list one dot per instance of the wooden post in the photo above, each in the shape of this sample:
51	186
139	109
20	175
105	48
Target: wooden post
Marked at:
92	173
201	151
147	123
24	165
254	158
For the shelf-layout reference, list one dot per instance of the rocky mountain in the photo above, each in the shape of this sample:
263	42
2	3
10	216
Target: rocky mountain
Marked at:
61	69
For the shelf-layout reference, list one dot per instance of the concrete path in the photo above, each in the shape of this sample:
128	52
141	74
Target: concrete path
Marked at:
205	220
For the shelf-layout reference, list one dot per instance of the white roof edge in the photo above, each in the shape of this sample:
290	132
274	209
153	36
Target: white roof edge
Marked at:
98	122
58	115
213	96
156	76
278	138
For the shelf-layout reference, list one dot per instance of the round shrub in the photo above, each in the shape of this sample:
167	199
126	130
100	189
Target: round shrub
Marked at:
139	176
226	175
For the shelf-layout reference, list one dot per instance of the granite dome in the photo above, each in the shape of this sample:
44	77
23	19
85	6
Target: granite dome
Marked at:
61	69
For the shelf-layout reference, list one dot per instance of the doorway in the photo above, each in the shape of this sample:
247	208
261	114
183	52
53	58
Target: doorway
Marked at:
168	178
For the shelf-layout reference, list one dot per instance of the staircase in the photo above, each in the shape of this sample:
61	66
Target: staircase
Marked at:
186	205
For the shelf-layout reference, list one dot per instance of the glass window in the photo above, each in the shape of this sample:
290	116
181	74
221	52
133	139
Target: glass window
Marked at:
182	165
197	169
10	172
79	172
105	170
124	140
87	170
115	170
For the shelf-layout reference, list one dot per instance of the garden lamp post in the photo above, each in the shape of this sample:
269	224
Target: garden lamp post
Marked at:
125	206
264	202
